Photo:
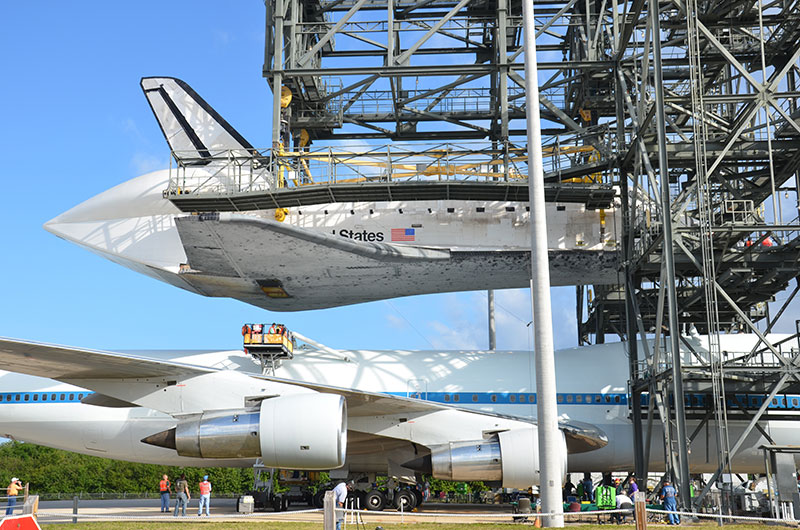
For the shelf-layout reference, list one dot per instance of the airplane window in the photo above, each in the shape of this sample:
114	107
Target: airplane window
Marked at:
608	399
559	398
494	398
531	398
80	396
447	397
36	397
27	397
794	402
774	401
616	399
512	398
475	397
52	397
16	398
579	398
569	398
588	399
71	397
456	397
62	397
44	397
596	399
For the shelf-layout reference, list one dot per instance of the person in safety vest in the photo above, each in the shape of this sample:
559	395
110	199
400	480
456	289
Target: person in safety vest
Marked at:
11	491
164	487
205	496
604	497
668	496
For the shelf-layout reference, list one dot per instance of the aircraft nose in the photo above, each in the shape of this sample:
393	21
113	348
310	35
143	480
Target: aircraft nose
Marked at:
140	197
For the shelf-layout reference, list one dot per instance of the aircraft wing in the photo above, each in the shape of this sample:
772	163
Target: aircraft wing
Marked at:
123	378
68	363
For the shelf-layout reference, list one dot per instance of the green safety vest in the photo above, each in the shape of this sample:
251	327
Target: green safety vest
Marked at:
605	497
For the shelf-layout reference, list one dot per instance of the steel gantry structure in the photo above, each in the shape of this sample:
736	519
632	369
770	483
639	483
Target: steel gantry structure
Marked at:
688	109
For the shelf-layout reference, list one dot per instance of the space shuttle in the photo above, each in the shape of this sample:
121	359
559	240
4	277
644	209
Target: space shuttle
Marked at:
260	235
457	415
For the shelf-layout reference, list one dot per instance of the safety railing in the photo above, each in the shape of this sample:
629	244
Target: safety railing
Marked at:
232	172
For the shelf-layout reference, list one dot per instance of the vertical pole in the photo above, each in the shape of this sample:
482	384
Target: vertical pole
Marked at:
628	220
640	509
75	509
492	336
682	480
547	415
277	73
328	511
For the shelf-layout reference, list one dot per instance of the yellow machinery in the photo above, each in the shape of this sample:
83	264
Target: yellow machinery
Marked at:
268	344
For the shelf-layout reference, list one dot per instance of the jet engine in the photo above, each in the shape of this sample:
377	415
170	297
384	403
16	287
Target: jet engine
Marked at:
510	457
305	431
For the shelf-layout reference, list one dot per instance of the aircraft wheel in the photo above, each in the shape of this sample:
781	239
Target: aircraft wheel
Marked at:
319	499
406	499
277	501
375	500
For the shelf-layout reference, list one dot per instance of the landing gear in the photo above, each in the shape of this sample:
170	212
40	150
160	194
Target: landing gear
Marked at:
405	500
375	500
319	498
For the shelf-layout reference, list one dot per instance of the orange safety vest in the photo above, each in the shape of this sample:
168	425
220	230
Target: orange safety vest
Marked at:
164	485
205	487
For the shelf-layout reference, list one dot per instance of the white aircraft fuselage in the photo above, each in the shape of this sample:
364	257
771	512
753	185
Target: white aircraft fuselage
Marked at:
591	383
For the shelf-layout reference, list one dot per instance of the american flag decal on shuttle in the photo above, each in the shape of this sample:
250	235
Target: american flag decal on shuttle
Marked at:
402	234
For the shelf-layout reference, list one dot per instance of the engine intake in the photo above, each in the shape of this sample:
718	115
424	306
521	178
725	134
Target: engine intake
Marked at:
305	431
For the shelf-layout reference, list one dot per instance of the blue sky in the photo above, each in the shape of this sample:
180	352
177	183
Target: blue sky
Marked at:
76	123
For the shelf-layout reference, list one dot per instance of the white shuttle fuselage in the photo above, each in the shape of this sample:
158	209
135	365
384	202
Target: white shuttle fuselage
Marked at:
331	254
306	244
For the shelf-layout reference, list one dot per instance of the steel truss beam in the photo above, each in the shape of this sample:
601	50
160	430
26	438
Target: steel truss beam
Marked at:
693	114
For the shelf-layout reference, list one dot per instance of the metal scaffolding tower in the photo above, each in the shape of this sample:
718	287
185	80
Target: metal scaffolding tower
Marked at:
688	108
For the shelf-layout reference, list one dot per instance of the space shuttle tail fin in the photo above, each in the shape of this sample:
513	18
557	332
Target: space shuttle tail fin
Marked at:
193	129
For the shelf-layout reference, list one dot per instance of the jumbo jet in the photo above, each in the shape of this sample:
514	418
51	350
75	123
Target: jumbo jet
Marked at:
458	415
227	221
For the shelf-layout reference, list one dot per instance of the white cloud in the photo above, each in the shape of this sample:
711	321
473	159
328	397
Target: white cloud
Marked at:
144	163
395	321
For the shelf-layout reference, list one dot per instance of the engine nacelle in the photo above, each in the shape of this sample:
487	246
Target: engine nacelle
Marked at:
304	431
510	457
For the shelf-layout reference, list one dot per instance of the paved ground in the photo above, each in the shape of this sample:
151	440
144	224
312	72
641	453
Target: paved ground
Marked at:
225	509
